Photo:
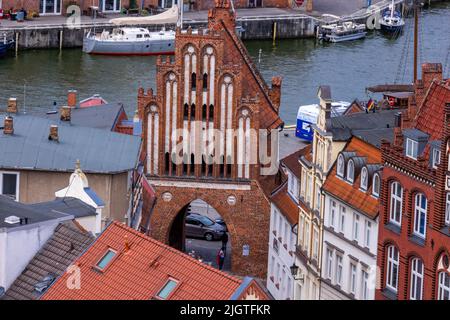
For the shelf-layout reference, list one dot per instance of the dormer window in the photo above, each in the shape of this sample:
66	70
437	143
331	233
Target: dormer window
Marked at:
412	148
376	185
106	259
340	166
364	179
350	171
167	289
436	158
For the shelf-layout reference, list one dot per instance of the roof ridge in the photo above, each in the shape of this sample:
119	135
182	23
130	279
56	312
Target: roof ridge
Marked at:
173	250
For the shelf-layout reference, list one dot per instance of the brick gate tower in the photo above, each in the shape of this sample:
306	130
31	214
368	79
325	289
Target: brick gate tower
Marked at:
203	136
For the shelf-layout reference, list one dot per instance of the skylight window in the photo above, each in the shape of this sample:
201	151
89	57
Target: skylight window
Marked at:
106	259
167	289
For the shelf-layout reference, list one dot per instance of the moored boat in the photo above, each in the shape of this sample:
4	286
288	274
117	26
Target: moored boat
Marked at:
5	45
391	20
339	32
130	37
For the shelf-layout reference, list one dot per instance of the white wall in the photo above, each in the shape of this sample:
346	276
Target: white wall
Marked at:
279	263
352	251
19	245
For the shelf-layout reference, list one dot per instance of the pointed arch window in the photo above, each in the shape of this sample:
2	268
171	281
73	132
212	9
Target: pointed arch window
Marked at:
204	112
193	81
193	112
186	111
205	81
211	112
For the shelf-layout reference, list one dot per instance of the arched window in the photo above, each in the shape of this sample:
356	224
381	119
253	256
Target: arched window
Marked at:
376	185
204	110
364	178
193	81
420	215
340	166
186	111
444	286
205	81
396	203
392	268
350	171
416	285
211	112
193	112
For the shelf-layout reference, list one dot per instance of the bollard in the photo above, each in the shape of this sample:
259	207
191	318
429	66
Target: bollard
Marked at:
60	40
274	32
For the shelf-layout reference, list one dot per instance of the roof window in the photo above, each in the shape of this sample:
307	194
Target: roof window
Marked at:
167	289
106	259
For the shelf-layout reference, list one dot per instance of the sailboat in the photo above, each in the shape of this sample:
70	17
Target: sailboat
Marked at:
392	21
135	40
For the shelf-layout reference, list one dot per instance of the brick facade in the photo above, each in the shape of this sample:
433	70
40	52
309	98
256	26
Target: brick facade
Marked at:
417	176
210	84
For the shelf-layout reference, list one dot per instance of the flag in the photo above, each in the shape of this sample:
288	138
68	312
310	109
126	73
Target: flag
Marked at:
370	104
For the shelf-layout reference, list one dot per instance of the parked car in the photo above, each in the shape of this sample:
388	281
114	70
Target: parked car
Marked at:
222	223
199	226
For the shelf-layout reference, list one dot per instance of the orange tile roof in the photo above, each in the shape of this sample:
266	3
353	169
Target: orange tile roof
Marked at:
140	272
287	206
351	193
292	161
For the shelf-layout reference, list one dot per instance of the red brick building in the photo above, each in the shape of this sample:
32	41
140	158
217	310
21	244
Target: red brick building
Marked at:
414	233
211	91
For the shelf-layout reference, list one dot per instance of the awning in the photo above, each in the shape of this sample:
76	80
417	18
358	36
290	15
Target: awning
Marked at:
169	16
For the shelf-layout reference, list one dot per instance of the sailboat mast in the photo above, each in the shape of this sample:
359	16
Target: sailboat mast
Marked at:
416	37
392	10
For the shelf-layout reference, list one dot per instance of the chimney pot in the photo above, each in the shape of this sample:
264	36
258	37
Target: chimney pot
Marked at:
72	98
8	125
66	113
12	105
53	133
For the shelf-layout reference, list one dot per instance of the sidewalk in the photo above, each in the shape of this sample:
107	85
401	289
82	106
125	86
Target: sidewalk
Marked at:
334	7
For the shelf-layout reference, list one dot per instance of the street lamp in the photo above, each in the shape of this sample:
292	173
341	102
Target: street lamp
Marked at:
294	272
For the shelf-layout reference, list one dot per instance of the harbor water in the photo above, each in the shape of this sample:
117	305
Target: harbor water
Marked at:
38	78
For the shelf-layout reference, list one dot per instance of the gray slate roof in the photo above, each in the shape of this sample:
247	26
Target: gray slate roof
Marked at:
104	116
71	206
371	127
66	244
9	207
99	151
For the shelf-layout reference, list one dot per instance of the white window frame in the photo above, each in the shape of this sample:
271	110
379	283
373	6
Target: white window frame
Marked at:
436	158
442	288
341	222
420	212
375	188
352	283
329	263
412	148
355	226
416	279
340	166
365	285
392	268
17	198
307	235
339	269
351	171
367	233
447	209
301	230
315	244
364	179
318	197
395	187
332	216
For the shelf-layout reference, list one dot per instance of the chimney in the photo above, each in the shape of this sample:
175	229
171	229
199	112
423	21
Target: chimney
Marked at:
8	125
12	106
275	92
65	112
398	120
430	72
72	98
53	136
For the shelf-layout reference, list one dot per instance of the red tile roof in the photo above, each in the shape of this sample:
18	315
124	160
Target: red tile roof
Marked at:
292	161
141	271
430	117
351	193
286	204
